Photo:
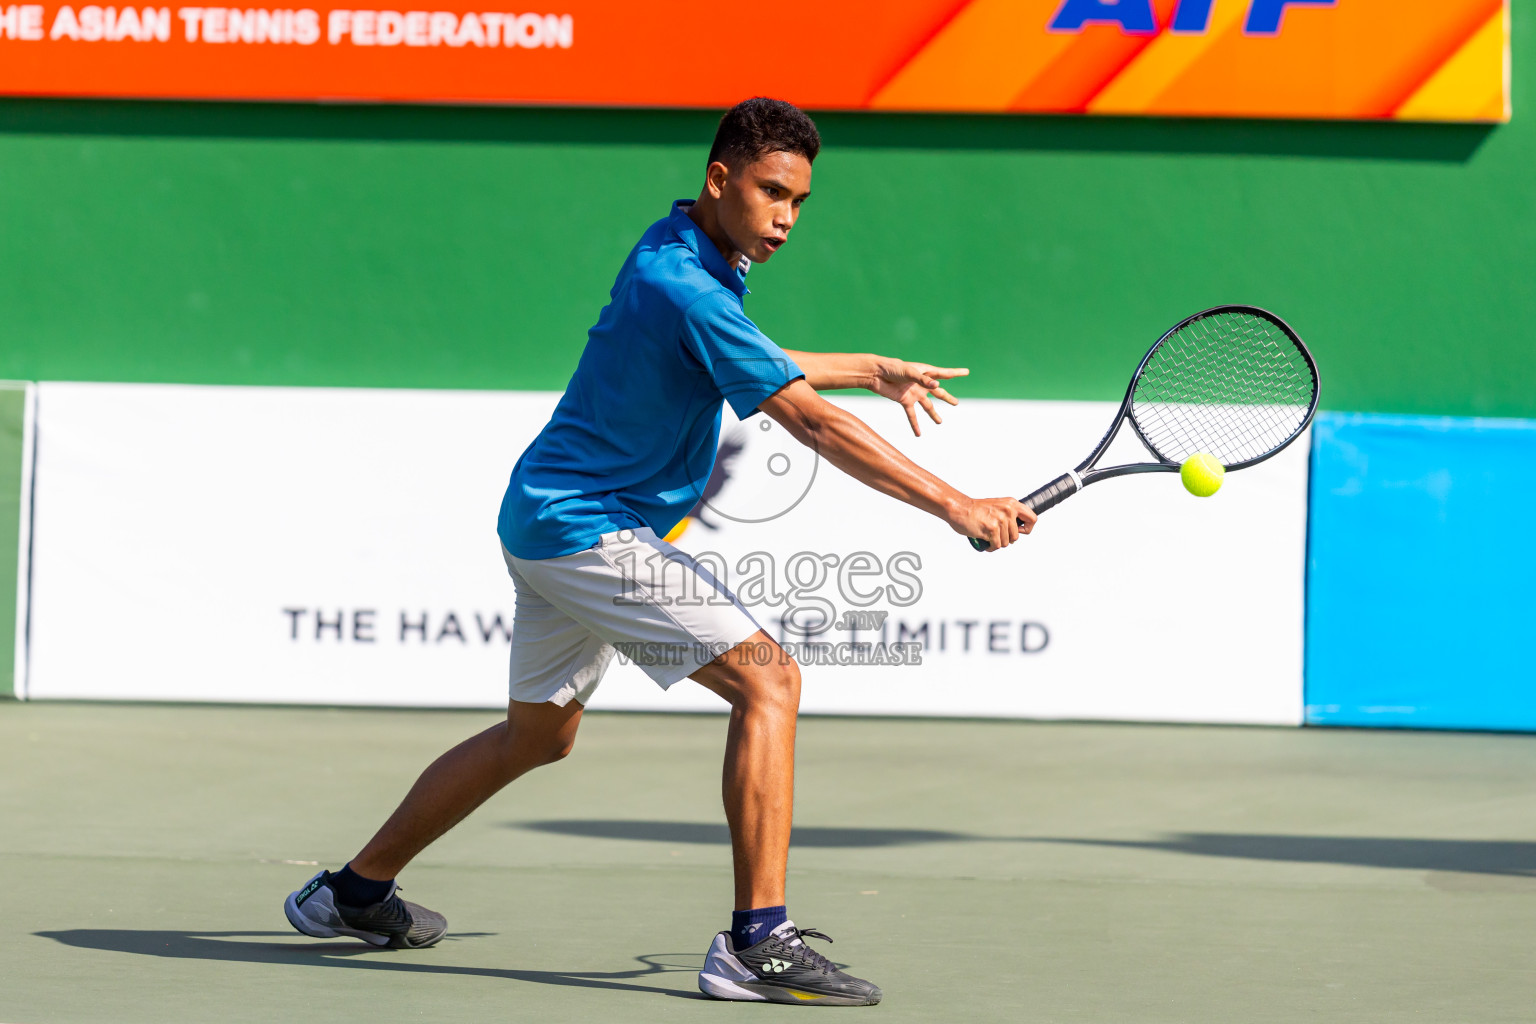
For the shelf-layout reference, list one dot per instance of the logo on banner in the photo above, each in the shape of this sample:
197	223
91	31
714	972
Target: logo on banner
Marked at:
1190	17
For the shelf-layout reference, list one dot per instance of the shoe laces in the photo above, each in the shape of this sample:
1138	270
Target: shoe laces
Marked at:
809	954
391	910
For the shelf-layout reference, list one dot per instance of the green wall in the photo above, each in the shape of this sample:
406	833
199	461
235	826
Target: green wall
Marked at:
13	401
471	248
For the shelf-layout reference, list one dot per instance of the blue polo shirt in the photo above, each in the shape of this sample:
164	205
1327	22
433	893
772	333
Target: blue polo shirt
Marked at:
633	440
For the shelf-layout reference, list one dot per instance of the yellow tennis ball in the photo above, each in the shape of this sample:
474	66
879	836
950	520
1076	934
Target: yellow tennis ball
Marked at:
1202	474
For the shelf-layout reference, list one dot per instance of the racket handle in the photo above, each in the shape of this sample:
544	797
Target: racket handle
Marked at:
1053	493
1049	496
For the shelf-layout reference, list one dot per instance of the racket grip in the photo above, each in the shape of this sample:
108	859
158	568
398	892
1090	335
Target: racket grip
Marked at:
1049	496
1053	493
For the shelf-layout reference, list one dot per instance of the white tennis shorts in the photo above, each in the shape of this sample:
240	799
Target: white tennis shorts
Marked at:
631	592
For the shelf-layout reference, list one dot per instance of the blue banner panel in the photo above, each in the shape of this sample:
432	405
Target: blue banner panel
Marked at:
1421	586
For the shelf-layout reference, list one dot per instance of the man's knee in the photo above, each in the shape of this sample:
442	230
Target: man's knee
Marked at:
558	749
751	682
775	687
533	749
532	744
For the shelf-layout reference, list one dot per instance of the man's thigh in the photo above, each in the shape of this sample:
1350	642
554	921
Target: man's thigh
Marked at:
555	659
640	595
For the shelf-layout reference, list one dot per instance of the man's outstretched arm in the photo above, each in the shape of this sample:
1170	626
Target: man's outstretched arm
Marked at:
911	384
849	444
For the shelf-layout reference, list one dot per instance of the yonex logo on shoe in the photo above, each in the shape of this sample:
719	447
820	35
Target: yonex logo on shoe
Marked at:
309	890
775	966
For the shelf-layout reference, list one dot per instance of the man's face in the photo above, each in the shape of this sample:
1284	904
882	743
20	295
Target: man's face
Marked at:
760	202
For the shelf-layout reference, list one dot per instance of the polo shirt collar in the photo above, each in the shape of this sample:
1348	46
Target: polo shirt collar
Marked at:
734	278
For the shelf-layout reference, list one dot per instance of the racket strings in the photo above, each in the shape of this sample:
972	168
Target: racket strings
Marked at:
1231	384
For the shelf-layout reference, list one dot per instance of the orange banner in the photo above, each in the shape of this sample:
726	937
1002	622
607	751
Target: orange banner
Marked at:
1409	59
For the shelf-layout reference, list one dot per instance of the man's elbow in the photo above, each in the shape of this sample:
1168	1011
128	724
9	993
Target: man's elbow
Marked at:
808	421
801	428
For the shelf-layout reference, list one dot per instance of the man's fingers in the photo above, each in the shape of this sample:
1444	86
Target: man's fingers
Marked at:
920	374
944	396
917	430
947	372
1002	522
1027	515
933	413
1007	532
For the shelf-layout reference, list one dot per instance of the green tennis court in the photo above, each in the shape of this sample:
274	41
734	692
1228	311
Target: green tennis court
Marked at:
982	870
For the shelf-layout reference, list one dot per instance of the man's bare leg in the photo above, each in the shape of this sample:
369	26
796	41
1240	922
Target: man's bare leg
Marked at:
464	778
361	899
775	963
759	782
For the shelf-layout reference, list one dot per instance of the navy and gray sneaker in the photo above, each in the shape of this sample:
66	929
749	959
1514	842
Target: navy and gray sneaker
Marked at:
781	969
391	922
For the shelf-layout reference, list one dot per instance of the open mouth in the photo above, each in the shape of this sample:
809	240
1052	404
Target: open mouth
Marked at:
772	244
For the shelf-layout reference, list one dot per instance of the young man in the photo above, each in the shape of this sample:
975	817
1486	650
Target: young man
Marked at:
624	457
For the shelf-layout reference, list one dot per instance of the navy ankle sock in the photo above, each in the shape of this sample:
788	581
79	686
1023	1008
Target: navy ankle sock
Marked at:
749	927
354	890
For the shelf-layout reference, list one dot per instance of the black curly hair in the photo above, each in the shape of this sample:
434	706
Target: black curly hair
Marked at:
762	125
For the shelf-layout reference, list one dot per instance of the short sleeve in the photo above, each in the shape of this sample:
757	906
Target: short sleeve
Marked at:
745	365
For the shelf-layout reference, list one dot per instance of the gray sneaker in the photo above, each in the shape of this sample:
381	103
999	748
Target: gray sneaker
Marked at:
392	921
781	969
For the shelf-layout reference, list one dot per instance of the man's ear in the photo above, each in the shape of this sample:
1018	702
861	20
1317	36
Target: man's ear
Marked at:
714	178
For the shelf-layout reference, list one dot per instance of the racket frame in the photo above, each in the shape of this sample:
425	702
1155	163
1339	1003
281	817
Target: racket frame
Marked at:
1087	471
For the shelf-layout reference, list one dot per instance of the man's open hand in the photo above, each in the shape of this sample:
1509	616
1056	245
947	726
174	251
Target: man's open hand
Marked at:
914	385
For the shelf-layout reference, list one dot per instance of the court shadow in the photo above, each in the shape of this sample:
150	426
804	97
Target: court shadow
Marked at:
1471	856
261	948
690	833
1046	133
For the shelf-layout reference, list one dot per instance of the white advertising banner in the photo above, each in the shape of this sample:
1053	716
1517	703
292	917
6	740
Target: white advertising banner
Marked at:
338	547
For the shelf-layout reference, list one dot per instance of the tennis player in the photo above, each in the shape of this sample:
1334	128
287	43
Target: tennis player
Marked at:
624	457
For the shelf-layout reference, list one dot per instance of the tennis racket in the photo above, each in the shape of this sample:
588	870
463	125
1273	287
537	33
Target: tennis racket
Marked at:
1234	382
